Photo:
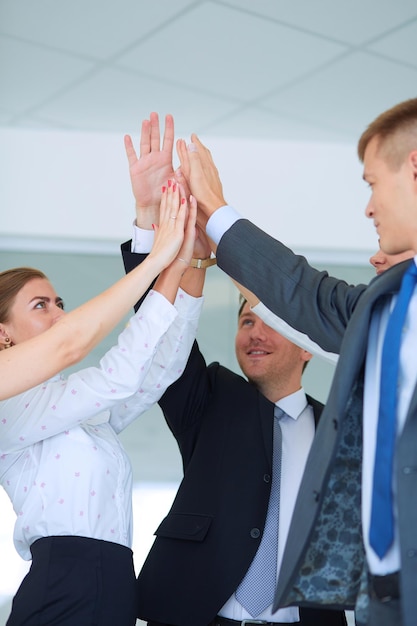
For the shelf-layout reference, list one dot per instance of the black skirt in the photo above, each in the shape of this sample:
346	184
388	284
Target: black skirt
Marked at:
76	581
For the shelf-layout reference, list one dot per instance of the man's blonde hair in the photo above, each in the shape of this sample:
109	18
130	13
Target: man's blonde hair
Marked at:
396	133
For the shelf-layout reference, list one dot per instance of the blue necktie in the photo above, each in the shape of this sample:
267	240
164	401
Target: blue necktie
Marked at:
256	591
381	533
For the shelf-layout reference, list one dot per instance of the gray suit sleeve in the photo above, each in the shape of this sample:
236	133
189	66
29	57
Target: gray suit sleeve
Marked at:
310	301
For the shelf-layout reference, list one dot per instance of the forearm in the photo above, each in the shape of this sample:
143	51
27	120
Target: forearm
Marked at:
169	280
58	404
96	318
168	362
308	300
75	335
193	281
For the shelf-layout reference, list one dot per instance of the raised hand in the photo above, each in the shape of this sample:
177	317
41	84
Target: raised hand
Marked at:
202	249
152	169
187	250
169	234
199	170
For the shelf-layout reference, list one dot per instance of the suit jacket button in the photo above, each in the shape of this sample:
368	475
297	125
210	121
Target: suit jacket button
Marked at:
267	478
255	533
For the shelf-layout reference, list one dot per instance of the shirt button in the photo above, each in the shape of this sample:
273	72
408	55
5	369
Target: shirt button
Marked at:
267	478
411	553
255	533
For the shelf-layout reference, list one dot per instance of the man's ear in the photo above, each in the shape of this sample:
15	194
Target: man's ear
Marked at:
413	163
306	356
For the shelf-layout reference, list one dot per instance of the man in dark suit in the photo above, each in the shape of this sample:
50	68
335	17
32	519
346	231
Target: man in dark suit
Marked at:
332	555
224	426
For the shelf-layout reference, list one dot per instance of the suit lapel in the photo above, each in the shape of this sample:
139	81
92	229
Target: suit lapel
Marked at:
317	408
354	345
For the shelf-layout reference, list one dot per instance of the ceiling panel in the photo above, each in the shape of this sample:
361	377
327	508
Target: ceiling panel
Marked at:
230	53
30	75
94	28
348	95
112	100
354	22
261	123
318	70
399	45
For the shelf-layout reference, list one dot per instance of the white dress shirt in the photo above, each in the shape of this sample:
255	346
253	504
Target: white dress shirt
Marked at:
61	462
297	429
217	225
407	379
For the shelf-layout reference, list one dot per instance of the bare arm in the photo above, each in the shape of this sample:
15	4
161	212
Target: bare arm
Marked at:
73	336
170	278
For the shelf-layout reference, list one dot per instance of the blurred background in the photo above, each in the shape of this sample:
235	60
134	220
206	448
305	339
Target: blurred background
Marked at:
280	92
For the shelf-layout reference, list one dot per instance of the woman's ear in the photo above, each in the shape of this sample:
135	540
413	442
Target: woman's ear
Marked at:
5	341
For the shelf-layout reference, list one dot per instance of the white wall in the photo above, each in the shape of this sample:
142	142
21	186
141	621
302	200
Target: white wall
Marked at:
76	185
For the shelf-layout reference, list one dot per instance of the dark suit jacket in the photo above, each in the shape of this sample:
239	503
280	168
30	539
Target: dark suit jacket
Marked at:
205	545
324	558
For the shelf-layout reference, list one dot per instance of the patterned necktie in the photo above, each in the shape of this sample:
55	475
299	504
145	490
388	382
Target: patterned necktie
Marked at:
256	591
381	533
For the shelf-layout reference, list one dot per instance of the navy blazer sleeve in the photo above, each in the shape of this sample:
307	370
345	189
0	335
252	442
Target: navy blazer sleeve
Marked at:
130	261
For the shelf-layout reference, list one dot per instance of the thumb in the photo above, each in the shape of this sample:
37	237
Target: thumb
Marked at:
194	157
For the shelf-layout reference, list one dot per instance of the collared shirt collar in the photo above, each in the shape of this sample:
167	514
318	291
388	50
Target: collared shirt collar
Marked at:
294	404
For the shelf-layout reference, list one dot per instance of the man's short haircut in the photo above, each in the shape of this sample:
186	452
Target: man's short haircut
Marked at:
242	302
396	133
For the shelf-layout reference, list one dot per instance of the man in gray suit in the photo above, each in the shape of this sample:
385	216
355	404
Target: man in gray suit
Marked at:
331	555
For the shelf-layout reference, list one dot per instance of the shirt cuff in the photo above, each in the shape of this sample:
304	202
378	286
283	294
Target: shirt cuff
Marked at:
156	307
188	307
142	240
220	221
300	339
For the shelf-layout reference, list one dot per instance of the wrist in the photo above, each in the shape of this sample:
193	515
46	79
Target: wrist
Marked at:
146	216
202	264
211	205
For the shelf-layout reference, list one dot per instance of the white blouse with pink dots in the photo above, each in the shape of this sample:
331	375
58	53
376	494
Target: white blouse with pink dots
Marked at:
61	462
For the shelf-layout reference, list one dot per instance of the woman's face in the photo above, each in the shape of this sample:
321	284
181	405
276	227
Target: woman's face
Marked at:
35	309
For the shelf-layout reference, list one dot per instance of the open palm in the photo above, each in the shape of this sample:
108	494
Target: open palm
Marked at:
154	166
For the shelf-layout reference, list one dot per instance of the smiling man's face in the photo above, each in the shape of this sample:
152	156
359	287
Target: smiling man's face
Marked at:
265	357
